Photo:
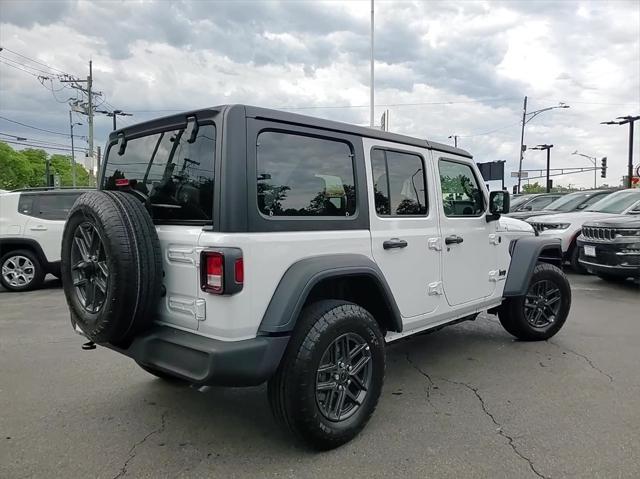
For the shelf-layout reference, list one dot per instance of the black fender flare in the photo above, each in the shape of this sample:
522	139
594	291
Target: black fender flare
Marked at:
525	253
300	278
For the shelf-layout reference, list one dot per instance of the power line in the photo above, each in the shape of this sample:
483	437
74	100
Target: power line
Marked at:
25	66
18	68
36	145
34	61
33	127
33	140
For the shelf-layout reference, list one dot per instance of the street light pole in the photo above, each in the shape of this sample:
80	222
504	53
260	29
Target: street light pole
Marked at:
623	120
371	121
548	148
455	140
526	120
594	160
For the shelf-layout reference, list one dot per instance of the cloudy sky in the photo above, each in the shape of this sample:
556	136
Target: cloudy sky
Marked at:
442	68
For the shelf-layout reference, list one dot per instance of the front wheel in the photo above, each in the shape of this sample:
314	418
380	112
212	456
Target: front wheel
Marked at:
543	310
329	381
21	271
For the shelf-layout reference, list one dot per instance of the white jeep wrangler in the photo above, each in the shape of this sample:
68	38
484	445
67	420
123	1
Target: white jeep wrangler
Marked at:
236	245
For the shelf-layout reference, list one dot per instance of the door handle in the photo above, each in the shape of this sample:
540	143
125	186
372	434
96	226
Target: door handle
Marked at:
38	228
453	239
394	243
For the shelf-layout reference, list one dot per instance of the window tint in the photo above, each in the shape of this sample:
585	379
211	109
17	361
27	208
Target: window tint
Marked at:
47	206
461	195
398	183
177	175
25	204
304	176
541	201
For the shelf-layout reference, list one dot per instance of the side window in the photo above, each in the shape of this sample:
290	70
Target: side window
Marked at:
461	195
398	183
55	206
541	201
26	204
304	176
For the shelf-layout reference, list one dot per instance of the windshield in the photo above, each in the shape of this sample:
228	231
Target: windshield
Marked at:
176	175
616	202
518	201
571	201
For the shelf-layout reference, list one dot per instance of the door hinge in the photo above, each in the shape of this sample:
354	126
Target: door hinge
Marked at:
494	239
497	275
435	289
434	243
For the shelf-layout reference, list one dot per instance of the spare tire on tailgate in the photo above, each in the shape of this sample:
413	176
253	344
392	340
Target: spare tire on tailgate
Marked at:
111	266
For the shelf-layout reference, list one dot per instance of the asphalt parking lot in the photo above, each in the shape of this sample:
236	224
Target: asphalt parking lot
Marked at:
467	401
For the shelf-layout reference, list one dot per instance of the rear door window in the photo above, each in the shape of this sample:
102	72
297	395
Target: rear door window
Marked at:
177	176
52	206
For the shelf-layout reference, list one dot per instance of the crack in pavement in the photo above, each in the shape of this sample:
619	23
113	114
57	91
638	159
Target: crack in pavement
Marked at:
586	358
132	453
426	375
499	426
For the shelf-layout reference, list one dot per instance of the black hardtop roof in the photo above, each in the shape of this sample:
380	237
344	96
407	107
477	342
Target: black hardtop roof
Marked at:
291	118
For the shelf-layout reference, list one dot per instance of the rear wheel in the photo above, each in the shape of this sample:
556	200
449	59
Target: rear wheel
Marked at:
329	381
20	270
543	310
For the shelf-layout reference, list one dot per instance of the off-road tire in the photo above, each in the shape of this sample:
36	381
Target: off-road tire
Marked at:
38	275
292	390
512	311
132	250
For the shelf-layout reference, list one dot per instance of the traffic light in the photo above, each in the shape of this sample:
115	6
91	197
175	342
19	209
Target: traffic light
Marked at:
603	167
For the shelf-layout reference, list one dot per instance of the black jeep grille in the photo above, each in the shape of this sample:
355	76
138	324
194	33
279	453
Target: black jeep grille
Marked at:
598	233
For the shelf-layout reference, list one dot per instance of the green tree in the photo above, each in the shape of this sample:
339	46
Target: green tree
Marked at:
533	188
27	168
15	169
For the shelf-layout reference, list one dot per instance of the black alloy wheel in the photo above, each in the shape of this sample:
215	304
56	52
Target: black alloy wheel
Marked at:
343	377
542	303
89	269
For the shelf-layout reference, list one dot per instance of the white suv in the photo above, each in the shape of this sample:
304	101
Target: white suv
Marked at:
236	245
31	225
567	226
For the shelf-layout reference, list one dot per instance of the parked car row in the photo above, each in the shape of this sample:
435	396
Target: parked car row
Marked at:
603	238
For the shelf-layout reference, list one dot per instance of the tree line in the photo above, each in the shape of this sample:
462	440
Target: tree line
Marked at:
27	168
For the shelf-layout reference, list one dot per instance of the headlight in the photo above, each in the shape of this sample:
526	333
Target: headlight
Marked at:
556	226
627	233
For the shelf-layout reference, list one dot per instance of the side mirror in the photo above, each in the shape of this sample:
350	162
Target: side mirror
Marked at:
499	203
528	208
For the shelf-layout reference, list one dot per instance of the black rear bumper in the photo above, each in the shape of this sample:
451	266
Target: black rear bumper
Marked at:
205	361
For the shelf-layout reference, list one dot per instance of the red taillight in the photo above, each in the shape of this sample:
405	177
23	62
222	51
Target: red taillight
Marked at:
239	271
214	273
122	182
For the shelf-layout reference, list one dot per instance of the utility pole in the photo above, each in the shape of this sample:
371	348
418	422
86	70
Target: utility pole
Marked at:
73	153
371	123
548	148
455	140
90	112
623	120
113	115
526	118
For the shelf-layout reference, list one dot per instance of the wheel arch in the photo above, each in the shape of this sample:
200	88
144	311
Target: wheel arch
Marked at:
12	244
350	277
525	254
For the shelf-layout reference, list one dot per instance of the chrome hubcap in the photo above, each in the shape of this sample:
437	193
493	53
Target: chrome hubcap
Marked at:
18	271
89	271
343	377
542	303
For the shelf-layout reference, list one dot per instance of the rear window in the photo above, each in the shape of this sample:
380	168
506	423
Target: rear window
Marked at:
177	176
